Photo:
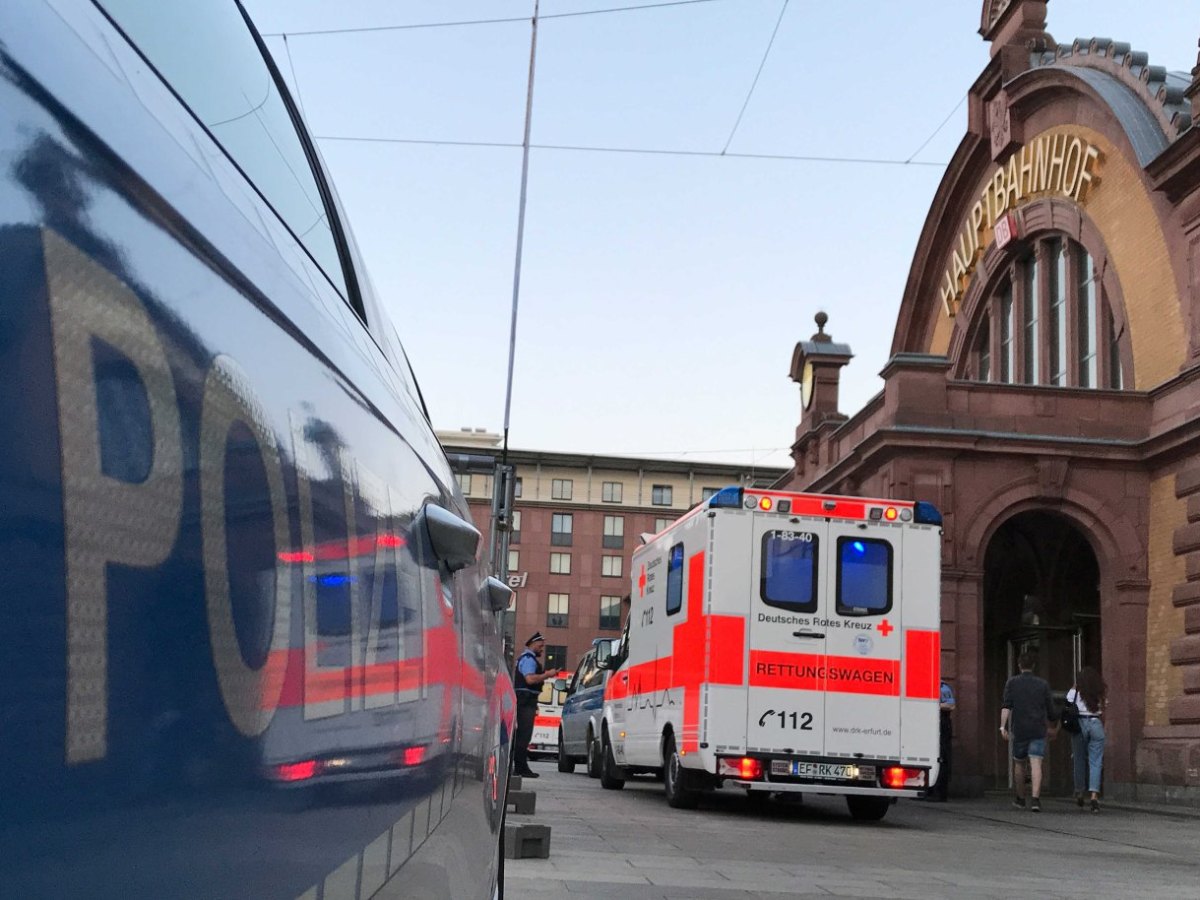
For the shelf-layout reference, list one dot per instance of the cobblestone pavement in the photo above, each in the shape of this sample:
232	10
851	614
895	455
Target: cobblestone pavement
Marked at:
630	844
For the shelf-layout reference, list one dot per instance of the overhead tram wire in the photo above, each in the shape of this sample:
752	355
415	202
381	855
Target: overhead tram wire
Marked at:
651	151
937	130
754	84
504	21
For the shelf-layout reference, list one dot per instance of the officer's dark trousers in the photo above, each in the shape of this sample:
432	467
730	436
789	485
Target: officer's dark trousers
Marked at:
942	788
526	712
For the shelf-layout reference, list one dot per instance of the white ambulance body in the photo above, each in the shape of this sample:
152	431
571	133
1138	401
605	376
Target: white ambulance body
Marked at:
785	643
545	724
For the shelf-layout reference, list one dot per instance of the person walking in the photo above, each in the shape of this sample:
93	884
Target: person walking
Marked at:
1089	695
1026	713
527	679
941	788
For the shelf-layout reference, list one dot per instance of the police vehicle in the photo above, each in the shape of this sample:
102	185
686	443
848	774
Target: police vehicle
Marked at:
246	646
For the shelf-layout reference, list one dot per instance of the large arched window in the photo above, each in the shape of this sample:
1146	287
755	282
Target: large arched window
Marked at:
1048	322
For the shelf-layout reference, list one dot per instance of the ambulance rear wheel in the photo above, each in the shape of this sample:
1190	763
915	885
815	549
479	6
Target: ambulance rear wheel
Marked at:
676	779
565	763
611	775
868	809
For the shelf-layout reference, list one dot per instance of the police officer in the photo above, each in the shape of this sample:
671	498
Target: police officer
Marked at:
941	790
528	678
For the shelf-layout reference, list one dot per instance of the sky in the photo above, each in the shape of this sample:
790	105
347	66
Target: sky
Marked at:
661	295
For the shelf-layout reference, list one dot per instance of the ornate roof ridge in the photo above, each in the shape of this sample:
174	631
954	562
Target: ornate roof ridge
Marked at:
1163	92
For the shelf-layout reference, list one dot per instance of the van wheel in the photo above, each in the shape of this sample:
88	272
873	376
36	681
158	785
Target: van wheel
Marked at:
677	780
565	763
868	809
612	777
593	757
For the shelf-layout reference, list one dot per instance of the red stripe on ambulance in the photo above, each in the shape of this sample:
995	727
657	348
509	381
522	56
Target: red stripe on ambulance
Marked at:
922	664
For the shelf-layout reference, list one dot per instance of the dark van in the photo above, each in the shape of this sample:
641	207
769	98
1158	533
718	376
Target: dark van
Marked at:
246	646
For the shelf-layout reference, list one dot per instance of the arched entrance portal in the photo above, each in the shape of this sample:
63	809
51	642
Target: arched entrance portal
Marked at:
1041	594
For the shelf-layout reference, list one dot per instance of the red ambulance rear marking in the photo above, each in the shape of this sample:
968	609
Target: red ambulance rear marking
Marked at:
545	721
922	664
819	672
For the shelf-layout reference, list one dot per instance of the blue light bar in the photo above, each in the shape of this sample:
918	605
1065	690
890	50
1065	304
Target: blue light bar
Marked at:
729	497
926	514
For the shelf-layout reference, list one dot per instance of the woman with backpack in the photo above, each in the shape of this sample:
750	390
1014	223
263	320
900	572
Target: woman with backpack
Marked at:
1087	747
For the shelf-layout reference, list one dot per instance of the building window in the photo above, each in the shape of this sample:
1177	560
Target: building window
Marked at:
1058	313
1029	320
983	351
558	607
1007	339
561	489
610	566
610	492
660	495
561	526
514	533
614	532
707	492
662	525
1085	323
1056	284
514	560
610	612
516	488
556	656
464	483
560	563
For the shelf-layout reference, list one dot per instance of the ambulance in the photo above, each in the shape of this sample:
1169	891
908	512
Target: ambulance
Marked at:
545	724
785	643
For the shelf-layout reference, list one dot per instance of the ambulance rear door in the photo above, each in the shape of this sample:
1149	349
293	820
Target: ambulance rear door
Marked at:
786	698
863	598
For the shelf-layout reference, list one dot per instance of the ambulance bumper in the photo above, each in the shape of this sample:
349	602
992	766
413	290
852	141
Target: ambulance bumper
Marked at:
777	787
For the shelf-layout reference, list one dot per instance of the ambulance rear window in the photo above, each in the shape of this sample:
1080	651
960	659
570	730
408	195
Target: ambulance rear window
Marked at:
864	576
789	570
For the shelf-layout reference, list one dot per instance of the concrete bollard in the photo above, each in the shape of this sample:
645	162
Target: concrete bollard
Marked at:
526	841
522	802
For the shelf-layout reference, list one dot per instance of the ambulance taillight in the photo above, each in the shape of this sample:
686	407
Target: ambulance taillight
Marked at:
743	768
897	777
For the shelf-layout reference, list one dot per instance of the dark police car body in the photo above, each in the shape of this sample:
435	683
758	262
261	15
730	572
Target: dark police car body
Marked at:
246	649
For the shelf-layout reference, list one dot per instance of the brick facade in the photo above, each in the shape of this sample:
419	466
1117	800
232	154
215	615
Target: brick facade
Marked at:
1091	480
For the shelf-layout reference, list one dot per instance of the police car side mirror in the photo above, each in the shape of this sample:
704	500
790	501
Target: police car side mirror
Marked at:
498	594
454	540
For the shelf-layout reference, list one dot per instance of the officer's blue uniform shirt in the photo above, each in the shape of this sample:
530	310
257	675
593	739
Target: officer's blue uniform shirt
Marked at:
947	695
527	665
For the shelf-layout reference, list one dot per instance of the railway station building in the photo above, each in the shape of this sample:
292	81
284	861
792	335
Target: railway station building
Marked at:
1043	391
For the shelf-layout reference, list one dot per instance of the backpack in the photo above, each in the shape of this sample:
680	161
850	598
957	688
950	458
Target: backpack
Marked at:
1070	717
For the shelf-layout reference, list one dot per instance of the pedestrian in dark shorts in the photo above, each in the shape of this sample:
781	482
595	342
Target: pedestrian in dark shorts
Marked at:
1026	715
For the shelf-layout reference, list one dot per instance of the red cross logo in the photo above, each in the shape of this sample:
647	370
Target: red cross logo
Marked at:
642	583
885	628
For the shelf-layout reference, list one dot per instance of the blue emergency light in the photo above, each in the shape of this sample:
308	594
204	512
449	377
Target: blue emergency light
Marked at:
728	497
926	514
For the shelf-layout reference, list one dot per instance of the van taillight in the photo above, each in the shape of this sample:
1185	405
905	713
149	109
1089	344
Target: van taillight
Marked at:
744	767
297	771
413	756
897	777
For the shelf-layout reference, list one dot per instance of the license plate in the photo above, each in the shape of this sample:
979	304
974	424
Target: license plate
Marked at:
823	771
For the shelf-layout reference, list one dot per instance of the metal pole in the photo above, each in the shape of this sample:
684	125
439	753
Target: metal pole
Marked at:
512	338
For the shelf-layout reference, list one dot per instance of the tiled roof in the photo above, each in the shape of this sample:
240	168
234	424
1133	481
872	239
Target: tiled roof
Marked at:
1161	92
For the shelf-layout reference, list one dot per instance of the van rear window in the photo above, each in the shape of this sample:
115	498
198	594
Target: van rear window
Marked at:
789	570
864	576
